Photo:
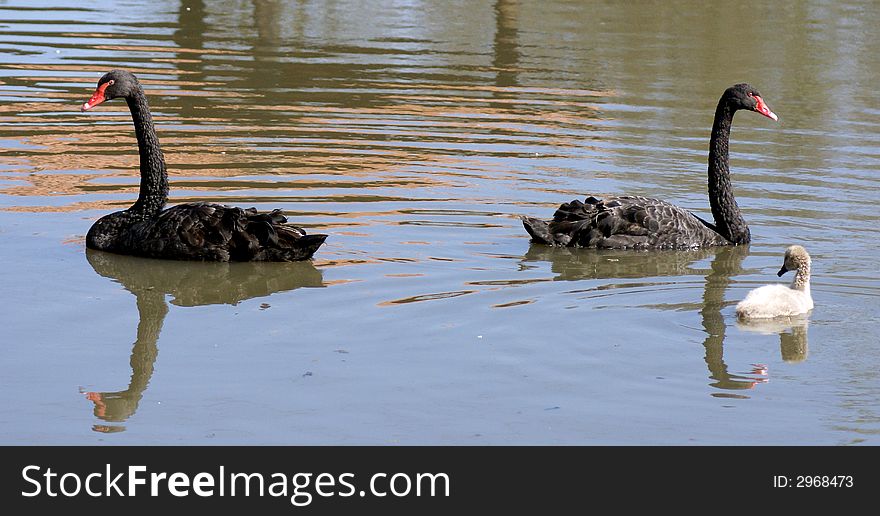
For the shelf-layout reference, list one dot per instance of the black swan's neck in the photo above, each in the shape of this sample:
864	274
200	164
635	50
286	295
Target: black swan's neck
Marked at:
154	176
728	219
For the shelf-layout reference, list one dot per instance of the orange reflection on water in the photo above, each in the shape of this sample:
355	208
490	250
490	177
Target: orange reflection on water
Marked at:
172	50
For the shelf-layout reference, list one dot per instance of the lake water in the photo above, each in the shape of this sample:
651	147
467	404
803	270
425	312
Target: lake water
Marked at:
415	133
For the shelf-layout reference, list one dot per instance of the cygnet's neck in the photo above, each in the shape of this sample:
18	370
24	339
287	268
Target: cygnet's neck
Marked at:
802	278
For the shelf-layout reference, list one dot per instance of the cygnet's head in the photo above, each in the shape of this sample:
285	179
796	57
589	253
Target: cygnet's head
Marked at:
795	258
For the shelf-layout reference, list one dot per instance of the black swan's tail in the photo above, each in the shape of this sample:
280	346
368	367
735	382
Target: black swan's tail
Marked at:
539	230
269	237
303	249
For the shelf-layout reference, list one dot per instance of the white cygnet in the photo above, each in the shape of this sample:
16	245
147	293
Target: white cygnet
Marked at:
779	300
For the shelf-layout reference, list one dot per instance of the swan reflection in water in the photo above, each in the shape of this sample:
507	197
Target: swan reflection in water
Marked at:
726	262
792	333
188	284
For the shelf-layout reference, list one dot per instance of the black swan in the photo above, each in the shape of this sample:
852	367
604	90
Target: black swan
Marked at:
195	231
634	222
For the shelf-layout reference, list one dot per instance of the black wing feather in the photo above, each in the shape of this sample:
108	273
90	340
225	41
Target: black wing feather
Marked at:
214	232
623	222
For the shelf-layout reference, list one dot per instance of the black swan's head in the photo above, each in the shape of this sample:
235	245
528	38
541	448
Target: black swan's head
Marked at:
115	83
743	96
